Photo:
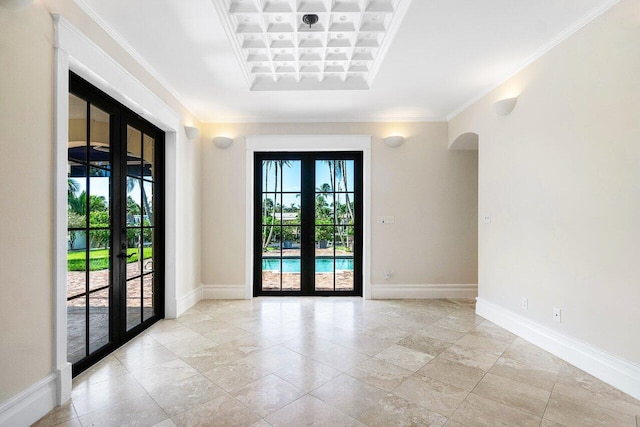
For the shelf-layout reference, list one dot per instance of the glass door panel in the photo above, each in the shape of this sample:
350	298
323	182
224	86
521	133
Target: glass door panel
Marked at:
307	226
114	247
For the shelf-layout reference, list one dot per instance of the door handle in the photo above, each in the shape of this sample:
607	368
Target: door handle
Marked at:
124	255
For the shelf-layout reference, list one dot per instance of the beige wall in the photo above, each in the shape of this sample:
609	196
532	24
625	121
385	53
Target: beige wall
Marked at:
26	233
432	192
561	178
26	193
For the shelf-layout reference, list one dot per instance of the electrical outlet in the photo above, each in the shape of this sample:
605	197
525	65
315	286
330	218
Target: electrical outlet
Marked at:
557	315
525	303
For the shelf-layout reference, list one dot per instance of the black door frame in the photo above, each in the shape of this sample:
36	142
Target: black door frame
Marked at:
307	225
121	116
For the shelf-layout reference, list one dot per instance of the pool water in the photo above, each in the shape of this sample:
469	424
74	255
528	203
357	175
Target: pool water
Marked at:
323	265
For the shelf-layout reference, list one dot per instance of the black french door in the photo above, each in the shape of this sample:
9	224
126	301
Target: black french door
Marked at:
308	223
115	275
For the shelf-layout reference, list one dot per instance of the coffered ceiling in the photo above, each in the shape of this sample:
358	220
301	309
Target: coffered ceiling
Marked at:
310	44
249	60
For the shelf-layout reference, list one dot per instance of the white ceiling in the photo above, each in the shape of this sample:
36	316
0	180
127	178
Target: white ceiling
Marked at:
445	54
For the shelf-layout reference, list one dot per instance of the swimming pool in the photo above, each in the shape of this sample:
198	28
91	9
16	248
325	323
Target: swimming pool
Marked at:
323	265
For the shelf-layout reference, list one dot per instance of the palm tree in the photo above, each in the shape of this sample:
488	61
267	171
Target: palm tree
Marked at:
277	166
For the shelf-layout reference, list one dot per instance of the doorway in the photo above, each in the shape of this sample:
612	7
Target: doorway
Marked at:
308	223
115	274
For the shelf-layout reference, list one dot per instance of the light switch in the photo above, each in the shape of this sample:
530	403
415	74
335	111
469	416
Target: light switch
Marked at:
386	220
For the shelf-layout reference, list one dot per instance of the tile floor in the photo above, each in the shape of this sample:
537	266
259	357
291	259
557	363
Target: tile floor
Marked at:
337	362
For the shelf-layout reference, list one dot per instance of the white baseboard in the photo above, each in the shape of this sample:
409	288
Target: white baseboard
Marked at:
423	291
64	383
30	405
223	292
607	367
187	301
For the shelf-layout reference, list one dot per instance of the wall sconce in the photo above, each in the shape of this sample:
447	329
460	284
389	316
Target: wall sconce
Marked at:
394	141
505	106
222	141
16	5
192	132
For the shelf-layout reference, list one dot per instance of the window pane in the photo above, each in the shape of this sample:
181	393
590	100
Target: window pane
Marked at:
77	129
324	208
291	209
134	287
134	201
291	175
148	151
271	241
325	175
344	240
324	240
271	274
99	149
98	319
147	203
271	176
345	208
76	196
147	249
147	291
291	241
344	174
269	201
344	274
99	258
291	274
134	259
99	196
134	152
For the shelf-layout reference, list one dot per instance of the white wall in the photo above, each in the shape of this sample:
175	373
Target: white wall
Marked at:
432	192
561	178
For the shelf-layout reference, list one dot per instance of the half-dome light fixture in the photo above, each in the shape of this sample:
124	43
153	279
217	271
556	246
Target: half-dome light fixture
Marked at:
222	141
192	132
16	5
394	141
505	107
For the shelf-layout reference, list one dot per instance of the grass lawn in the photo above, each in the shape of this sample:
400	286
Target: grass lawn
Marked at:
99	258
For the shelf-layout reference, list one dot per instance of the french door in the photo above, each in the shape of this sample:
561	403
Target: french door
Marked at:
115	283
308	223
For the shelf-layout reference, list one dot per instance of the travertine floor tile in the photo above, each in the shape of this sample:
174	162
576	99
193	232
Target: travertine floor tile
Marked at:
137	412
473	358
526	352
349	395
380	374
404	357
453	373
223	411
477	411
235	374
571	412
307	374
310	411
395	411
432	394
524	373
89	397
267	395
515	394
182	395
59	415
431	346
